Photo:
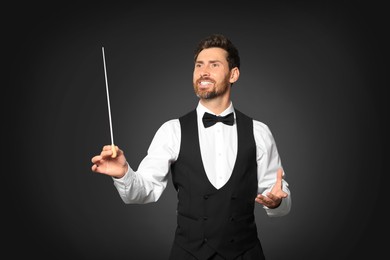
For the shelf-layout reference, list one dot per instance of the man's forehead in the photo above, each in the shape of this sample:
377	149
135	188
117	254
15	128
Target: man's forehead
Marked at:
212	54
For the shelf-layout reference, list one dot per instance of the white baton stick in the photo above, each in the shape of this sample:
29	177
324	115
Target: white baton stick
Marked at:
109	109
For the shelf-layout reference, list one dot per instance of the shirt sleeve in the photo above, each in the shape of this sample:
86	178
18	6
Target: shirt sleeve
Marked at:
150	180
268	163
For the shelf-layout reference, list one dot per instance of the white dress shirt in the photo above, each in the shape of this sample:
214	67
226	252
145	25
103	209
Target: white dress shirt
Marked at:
218	146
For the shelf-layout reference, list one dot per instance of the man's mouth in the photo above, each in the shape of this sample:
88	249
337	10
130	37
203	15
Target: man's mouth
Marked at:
205	83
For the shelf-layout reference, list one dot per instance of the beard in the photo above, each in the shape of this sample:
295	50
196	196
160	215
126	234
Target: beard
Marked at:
217	91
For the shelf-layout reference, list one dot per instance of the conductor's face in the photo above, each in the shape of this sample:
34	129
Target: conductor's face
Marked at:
211	76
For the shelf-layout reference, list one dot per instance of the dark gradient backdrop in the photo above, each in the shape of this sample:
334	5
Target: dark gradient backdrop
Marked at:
312	72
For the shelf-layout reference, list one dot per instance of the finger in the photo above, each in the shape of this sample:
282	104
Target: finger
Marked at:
279	177
115	151
270	202
106	153
96	158
96	168
263	200
272	196
277	194
107	147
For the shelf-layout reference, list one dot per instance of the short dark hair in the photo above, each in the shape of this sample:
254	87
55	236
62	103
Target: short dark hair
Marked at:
220	41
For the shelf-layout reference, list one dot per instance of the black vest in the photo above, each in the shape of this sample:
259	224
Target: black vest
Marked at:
211	220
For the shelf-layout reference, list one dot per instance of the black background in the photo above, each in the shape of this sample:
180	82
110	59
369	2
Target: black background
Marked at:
313	72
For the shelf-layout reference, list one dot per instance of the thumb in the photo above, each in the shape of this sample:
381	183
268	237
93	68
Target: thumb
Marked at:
277	189
279	177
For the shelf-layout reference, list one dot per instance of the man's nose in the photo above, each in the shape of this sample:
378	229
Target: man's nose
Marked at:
205	72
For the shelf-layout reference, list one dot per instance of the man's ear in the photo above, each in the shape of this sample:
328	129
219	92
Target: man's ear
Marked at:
234	75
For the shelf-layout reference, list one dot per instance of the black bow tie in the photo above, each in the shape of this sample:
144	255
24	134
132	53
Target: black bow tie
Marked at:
210	119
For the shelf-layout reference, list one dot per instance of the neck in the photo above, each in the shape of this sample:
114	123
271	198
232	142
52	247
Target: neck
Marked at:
216	105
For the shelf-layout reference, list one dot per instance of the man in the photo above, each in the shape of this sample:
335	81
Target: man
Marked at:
222	162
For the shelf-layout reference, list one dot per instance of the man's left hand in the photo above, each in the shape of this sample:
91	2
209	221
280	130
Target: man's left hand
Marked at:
273	198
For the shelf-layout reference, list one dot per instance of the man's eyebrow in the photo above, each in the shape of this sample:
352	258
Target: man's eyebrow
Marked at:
211	61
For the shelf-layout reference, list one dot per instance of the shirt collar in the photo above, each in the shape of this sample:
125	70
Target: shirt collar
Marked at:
200	109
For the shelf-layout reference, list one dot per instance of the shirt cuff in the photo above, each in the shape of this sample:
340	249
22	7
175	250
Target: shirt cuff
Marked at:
284	207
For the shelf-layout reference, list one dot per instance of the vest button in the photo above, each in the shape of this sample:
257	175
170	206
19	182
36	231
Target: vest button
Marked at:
231	219
205	218
206	197
205	240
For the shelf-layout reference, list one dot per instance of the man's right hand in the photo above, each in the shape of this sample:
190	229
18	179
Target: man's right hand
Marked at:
105	164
